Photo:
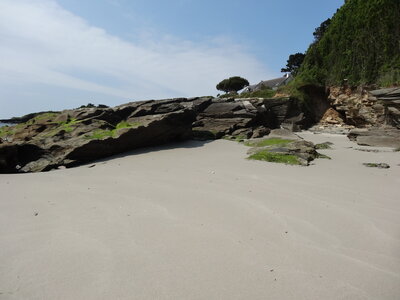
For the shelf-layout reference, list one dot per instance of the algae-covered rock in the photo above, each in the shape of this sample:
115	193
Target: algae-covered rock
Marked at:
293	152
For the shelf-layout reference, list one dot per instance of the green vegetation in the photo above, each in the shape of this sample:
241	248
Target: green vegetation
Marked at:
232	84
267	142
44	116
371	165
67	126
326	145
104	133
293	63
6	131
265	155
323	156
263	93
360	44
377	165
100	134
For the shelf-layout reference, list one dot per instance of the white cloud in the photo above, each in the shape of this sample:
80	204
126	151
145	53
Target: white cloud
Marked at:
42	43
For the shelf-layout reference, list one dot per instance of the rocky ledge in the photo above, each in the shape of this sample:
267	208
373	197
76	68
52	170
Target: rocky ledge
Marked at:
73	137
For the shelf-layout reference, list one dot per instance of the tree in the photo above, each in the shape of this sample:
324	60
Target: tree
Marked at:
293	63
232	84
320	31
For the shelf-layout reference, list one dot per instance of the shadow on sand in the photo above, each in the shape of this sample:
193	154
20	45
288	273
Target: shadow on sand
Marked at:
169	146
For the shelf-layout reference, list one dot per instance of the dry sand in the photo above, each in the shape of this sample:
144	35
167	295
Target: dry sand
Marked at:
199	221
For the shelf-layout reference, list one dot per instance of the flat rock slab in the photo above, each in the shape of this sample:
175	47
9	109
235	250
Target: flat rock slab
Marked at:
376	137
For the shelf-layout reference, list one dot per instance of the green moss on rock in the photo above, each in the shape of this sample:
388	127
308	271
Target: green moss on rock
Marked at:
267	142
104	133
265	155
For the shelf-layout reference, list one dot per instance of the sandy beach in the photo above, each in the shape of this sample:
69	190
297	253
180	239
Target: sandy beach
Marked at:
198	221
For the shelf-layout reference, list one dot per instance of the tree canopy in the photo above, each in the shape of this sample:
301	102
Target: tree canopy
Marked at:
360	43
232	84
293	63
320	31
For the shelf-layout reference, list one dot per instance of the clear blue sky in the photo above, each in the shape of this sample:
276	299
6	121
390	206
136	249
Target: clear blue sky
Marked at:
64	53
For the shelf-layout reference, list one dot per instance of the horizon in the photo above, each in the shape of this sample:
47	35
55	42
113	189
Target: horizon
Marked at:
63	54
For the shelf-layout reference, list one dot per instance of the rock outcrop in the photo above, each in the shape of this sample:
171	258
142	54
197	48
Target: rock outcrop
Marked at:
390	100
364	108
72	137
248	116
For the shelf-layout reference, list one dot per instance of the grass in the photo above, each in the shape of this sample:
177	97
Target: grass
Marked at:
265	155
264	93
104	133
66	126
45	116
267	142
101	134
6	131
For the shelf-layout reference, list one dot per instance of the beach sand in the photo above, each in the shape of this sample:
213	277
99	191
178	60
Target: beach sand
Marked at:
198	221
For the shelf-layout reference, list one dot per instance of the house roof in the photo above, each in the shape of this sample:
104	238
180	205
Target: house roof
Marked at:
272	83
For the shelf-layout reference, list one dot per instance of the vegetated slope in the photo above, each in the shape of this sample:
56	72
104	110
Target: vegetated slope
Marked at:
361	44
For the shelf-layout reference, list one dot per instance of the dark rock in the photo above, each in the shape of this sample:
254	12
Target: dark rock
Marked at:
217	128
221	110
260	132
25	118
13	155
245	133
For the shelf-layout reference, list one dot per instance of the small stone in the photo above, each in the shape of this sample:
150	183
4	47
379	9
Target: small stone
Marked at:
377	165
